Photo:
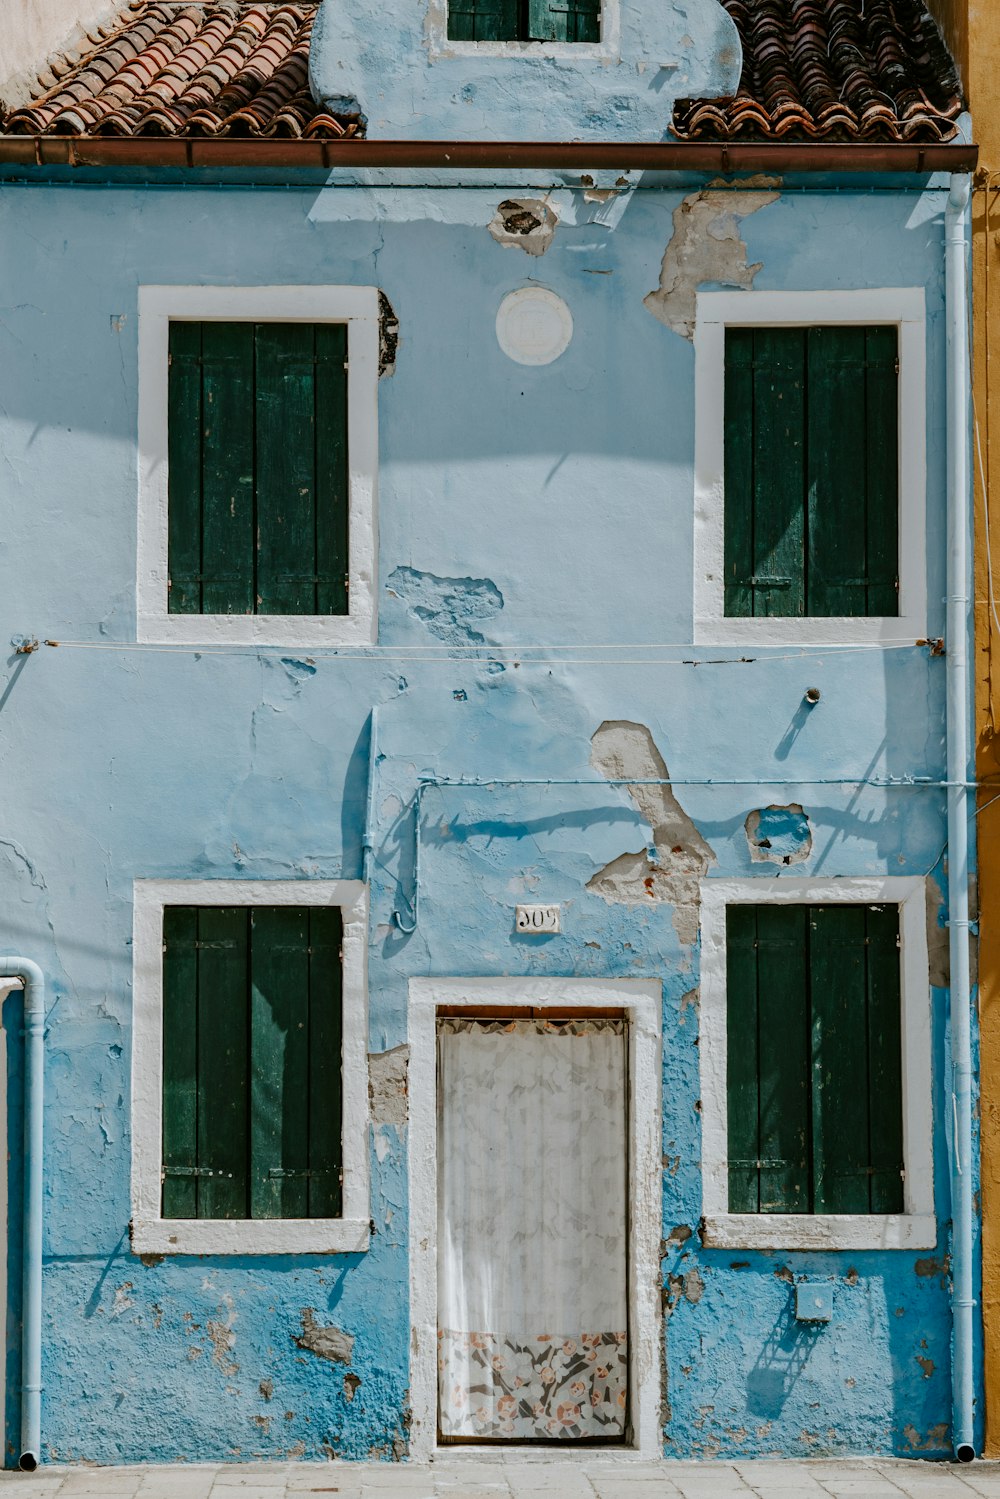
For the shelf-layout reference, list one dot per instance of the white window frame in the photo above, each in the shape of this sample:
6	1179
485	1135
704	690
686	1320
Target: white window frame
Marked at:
903	308
154	1234
358	307
641	1001
608	49
916	1226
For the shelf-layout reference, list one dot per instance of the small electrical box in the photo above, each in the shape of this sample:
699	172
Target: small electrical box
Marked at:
814	1301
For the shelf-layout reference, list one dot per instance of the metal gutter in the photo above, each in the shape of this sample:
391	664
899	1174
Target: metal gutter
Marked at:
33	979
958	732
664	156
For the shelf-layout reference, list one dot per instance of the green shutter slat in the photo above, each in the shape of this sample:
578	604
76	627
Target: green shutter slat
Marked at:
742	1064
738	460
779	472
483	20
839	1059
184	427
885	1070
837	575
180	1061
223	982
784	1059
564	20
286	468
326	1155
882	476
227	468
332	557
279	1053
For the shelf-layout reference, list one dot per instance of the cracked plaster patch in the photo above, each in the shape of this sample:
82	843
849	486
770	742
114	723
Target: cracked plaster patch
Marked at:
524	224
620	750
706	247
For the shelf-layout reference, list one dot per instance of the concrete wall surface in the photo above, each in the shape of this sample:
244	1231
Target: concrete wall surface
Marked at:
520	506
32	31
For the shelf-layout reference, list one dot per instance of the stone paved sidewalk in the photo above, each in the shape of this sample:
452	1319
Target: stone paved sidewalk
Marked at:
518	1477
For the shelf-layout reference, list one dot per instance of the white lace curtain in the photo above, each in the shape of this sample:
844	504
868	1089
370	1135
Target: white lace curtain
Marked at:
532	1229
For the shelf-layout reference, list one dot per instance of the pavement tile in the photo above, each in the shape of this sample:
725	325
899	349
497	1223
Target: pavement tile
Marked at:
103	1481
247	1491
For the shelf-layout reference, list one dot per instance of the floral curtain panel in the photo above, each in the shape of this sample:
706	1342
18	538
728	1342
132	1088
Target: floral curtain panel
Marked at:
532	1218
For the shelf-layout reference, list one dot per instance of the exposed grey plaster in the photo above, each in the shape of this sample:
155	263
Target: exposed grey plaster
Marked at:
388	1086
222	1336
326	1342
778	835
621	749
706	247
388	336
447	606
938	956
524	224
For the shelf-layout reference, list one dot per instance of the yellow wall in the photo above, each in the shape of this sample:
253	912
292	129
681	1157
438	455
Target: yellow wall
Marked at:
974	37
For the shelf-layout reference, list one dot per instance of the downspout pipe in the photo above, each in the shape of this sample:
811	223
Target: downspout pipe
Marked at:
958	711
33	980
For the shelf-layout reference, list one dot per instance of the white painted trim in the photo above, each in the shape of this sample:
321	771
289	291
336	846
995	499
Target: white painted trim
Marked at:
902	307
641	1001
152	1234
916	1226
608	49
357	306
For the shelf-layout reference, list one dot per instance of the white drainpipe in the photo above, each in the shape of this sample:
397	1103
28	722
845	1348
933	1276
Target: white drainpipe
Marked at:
958	713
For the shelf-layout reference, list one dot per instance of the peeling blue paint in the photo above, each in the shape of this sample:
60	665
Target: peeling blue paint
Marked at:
544	506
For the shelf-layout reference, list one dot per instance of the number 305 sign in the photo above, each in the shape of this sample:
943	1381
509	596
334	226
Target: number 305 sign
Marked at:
537	919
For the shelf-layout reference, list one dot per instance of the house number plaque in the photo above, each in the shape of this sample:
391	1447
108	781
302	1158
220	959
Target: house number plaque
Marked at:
537	919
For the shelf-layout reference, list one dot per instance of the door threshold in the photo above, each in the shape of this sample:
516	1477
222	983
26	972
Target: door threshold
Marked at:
535	1452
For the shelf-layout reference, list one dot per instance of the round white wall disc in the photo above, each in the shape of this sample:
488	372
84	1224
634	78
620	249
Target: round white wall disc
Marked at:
534	326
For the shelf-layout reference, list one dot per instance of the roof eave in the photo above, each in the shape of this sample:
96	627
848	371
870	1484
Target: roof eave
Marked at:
667	156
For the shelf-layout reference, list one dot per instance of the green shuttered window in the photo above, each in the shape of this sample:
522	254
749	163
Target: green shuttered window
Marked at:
524	20
258	477
814	1066
811	471
252	1111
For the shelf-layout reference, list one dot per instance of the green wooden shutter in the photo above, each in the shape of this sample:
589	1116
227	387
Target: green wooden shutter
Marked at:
326	1109
838	1004
483	20
742	1059
564	20
814	1066
180	1062
222	1089
258	468
811	471
252	1062
764	525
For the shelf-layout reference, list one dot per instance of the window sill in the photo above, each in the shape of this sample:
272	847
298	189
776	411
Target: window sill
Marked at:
254	1236
290	631
850	629
819	1231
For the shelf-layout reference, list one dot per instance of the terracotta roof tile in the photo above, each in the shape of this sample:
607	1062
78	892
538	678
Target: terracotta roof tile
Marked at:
845	70
166	68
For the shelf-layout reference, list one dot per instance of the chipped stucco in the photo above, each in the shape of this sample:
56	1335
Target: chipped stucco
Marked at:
525	224
706	248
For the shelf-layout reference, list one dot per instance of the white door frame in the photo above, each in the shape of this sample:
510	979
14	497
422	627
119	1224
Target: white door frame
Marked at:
641	1002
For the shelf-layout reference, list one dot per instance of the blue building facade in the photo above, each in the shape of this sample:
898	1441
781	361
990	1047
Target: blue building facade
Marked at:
540	700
